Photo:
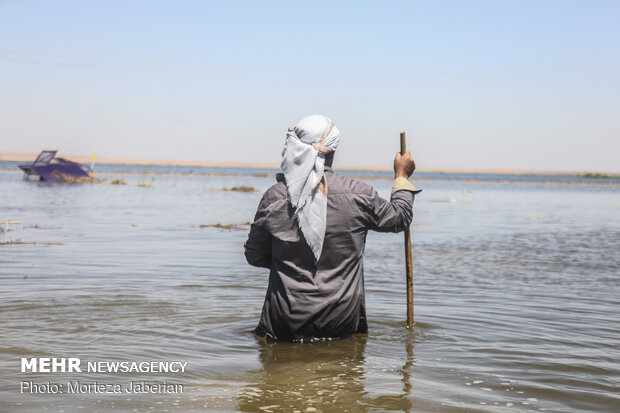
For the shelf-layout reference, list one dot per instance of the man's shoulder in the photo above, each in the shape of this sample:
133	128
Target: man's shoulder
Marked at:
337	184
345	185
275	192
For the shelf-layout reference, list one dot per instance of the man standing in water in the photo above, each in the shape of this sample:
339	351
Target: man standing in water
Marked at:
310	231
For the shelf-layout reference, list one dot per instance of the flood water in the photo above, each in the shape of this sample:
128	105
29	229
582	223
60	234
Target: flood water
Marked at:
517	298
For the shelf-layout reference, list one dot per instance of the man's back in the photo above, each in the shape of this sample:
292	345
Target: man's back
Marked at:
307	300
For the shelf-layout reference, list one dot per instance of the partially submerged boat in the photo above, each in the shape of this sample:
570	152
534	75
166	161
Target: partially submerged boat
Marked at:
48	167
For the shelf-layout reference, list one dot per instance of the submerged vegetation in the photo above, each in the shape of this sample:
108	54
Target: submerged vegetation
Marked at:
5	240
18	241
239	227
79	180
596	175
147	184
242	188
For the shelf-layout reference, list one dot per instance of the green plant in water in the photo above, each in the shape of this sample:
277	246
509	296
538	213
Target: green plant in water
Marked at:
594	175
145	184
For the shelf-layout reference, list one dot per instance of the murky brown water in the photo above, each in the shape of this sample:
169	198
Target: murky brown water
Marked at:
517	300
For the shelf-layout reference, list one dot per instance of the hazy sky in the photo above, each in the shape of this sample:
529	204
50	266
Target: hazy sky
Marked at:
476	84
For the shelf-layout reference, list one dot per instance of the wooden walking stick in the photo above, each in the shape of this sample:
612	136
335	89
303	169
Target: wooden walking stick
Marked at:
408	258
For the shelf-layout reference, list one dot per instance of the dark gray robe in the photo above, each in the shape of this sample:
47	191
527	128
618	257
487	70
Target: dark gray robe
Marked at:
305	300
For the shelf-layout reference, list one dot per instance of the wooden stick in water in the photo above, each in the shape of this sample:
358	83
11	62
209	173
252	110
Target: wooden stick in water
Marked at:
408	258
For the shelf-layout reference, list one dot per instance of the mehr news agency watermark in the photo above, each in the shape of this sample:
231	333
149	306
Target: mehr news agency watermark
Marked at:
75	365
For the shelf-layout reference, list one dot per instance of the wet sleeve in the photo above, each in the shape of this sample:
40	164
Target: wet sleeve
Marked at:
258	246
394	215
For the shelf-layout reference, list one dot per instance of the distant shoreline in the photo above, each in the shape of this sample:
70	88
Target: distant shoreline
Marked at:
29	157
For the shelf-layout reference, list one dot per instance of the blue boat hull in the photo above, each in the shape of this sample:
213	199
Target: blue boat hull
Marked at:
51	169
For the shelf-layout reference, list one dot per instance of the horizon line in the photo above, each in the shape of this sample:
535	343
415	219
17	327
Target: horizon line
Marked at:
30	156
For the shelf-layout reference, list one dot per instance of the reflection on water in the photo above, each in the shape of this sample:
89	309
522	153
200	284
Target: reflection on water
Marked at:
323	375
320	376
407	386
516	294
